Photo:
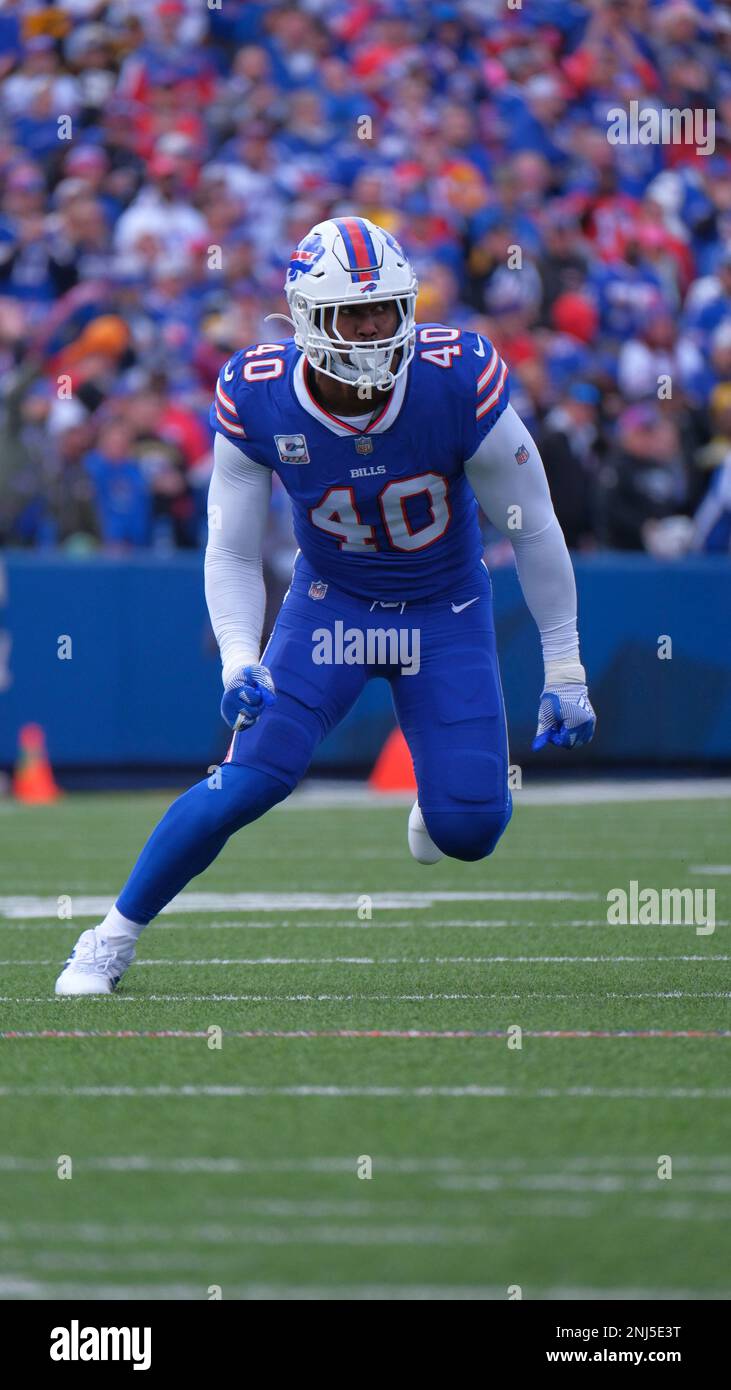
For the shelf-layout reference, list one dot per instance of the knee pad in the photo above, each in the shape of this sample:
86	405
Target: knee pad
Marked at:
467	834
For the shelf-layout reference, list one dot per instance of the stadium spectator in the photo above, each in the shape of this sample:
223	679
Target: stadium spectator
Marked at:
568	445
120	491
712	521
645	477
650	358
173	448
59	507
563	261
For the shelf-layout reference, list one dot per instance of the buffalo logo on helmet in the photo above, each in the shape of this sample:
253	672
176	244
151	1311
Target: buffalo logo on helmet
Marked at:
306	255
393	243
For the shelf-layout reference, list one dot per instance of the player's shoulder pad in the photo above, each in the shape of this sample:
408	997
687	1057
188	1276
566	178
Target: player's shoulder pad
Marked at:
477	372
239	398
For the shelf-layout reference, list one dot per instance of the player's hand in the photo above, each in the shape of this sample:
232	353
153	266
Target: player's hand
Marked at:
248	693
565	717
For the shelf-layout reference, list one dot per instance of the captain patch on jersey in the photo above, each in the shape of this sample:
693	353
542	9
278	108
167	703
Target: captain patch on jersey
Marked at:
292	448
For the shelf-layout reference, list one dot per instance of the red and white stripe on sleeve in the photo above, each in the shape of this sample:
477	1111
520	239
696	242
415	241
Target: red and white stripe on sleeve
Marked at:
226	412
491	384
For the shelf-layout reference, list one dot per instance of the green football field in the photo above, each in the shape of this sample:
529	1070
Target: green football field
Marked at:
385	1046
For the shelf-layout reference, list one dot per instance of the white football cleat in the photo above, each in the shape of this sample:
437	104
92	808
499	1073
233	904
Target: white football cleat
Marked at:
96	965
420	841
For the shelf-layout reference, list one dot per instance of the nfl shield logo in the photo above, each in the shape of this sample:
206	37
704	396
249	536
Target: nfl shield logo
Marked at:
317	589
292	448
521	454
363	445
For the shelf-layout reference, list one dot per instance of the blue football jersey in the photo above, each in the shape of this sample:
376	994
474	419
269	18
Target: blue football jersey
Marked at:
382	509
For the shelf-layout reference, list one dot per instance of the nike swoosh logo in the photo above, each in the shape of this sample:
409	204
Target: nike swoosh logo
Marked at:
228	375
458	607
479	351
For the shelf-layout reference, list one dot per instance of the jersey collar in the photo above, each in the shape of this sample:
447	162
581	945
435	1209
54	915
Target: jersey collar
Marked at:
301	381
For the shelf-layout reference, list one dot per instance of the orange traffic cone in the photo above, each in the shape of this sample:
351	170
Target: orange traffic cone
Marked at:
33	780
393	770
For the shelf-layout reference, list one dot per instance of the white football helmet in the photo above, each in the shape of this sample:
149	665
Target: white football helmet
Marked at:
349	260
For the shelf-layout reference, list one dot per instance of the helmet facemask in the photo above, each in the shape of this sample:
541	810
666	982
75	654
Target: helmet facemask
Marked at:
377	364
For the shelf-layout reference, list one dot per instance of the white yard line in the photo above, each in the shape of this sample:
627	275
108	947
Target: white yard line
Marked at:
349	924
392	960
19	1287
406	1166
360	1034
125	998
367	1234
228	1240
259	998
228	1244
468	1092
88	905
560	793
604	1184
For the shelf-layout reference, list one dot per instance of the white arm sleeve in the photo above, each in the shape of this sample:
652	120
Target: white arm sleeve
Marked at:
238	505
516	499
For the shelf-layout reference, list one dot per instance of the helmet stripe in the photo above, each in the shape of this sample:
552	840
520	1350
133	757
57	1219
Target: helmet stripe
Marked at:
359	247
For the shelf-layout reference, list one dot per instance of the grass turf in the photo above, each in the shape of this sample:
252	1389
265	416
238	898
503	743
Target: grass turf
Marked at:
543	1176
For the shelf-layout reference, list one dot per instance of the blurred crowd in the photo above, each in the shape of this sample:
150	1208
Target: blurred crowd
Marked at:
160	161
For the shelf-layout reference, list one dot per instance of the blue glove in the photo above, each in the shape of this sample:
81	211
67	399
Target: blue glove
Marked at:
246	696
565	717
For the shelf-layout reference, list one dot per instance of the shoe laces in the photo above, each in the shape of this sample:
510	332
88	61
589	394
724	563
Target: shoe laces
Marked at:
93	956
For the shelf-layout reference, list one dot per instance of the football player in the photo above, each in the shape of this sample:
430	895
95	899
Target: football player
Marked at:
386	435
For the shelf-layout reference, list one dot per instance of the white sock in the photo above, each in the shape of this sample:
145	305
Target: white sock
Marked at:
115	924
